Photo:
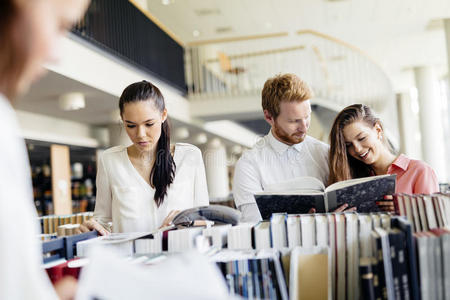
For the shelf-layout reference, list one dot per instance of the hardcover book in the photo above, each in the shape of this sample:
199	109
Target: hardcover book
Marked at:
362	193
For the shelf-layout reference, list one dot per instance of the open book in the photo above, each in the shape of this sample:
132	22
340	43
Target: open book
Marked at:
302	194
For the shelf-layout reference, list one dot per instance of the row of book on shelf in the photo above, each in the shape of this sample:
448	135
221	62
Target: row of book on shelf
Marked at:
62	225
321	256
367	256
424	211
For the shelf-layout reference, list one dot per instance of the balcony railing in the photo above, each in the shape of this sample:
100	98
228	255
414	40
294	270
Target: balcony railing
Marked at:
121	29
336	71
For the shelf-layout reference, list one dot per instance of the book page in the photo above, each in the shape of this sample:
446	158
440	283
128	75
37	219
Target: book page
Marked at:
345	183
362	194
297	185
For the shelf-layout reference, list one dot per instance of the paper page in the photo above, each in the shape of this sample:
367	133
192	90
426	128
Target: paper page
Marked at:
111	277
362	194
345	183
296	186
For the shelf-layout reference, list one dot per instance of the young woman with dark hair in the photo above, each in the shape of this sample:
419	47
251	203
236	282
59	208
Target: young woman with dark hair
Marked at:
358	148
143	186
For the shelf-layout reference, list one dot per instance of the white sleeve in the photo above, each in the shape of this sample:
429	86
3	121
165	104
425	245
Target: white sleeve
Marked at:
246	183
103	209
201	196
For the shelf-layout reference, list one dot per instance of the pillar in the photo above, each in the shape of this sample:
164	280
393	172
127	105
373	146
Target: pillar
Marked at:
430	120
215	157
447	129
409	130
447	38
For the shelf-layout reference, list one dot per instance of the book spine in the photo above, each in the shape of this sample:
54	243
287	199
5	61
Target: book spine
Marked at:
410	256
393	244
396	201
376	279
423	257
274	279
264	278
380	268
402	266
367	282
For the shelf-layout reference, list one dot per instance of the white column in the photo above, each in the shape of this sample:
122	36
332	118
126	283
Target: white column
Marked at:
447	38
409	131
215	157
118	135
447	132
432	135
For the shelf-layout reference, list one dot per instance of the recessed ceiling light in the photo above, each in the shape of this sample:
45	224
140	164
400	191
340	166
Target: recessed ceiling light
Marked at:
196	33
72	101
166	2
268	25
204	12
182	133
225	29
201	139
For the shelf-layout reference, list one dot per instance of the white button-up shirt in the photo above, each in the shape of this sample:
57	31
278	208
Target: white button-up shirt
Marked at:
126	199
21	274
271	162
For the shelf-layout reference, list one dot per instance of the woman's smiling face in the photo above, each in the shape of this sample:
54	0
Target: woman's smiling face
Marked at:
363	142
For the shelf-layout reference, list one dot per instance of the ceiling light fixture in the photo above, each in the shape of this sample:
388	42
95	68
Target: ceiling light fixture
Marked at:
200	139
196	33
166	2
72	101
181	133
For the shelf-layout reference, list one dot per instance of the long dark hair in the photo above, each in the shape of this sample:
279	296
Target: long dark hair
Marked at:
163	170
342	165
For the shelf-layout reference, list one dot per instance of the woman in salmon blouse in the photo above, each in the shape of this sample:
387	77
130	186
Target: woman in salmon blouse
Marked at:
358	148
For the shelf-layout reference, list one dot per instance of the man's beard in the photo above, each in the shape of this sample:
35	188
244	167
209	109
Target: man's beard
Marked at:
285	137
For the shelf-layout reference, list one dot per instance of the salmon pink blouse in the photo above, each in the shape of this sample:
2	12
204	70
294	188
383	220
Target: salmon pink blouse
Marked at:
413	176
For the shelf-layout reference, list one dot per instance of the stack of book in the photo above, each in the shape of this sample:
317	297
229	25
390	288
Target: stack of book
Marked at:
50	224
313	256
425	212
406	265
253	274
433	251
348	236
122	243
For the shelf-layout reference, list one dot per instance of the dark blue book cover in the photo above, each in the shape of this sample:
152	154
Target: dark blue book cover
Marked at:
411	258
367	279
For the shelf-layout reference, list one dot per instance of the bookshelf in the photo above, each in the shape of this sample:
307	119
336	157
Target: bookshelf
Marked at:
80	190
344	255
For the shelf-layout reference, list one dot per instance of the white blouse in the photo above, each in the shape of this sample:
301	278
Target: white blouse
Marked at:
21	274
126	199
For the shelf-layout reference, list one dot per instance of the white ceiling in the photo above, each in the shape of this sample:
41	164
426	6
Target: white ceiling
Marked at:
393	32
43	96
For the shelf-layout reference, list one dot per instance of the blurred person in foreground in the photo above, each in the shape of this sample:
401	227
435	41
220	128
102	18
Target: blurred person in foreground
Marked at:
29	33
